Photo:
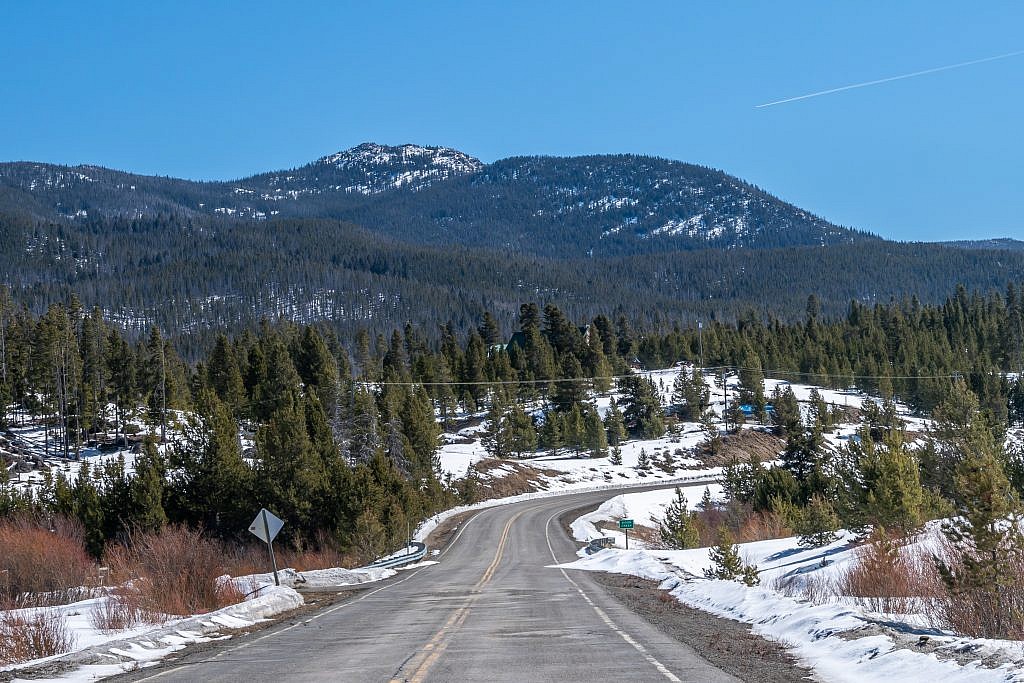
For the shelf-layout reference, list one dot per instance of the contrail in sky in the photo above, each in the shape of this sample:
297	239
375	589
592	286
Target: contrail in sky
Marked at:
890	78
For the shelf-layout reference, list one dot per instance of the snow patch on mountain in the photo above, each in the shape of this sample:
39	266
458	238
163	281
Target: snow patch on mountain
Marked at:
409	166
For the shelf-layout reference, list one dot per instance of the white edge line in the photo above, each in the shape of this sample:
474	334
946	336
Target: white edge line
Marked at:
604	615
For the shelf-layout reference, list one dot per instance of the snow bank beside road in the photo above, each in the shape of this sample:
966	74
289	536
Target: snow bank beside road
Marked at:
839	639
319	578
102	655
99	654
823	637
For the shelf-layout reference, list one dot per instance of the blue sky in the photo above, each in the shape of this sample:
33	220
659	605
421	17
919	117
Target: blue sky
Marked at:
190	90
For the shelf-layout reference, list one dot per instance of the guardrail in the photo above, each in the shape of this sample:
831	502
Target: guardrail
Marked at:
599	544
417	552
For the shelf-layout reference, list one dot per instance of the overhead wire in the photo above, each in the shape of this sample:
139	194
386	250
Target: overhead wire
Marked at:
769	374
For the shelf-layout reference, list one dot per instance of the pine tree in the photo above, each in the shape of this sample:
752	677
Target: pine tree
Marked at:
489	329
642	408
802	454
786	415
819	411
739	479
725	558
551	433
710	429
614	424
211	483
495	437
751	378
600	367
225	377
643	461
891	495
422	431
736	417
677	528
818	524
594	441
616	457
574	429
986	537
88	509
146	490
570	391
522	435
288	473
317	368
706	503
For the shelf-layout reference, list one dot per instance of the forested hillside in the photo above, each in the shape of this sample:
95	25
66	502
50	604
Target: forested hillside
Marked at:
196	276
375	237
344	445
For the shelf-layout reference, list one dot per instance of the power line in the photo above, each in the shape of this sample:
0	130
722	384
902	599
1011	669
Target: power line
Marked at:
769	374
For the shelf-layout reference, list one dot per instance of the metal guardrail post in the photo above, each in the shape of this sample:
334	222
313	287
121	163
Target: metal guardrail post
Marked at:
419	554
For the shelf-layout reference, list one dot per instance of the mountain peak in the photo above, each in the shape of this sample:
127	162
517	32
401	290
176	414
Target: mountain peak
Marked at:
389	167
374	154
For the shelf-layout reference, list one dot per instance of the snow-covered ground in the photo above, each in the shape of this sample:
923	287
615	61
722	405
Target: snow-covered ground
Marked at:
462	448
835	635
142	646
646	508
147	644
32	441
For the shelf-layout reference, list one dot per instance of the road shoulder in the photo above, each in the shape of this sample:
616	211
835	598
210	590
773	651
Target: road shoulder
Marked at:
726	644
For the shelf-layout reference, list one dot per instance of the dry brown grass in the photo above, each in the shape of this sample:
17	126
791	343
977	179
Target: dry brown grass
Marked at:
888	577
743	446
32	635
45	563
176	571
814	588
745	525
119	611
991	610
522	479
763	526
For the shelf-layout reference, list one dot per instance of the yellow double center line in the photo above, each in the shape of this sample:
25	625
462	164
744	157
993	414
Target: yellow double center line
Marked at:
423	660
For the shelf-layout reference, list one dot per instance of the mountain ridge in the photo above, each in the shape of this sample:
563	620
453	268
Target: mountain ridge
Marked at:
555	206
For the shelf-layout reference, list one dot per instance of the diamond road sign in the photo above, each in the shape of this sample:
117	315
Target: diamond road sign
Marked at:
625	524
260	526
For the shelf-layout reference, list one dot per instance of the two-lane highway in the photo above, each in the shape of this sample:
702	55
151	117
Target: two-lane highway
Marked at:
492	610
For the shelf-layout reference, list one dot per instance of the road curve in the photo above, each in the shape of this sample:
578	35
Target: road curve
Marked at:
491	610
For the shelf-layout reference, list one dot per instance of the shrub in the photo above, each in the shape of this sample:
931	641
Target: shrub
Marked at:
32	635
46	564
979	610
814	588
175	571
119	610
747	526
887	578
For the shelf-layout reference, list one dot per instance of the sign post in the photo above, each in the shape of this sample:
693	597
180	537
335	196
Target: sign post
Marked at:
265	527
626	525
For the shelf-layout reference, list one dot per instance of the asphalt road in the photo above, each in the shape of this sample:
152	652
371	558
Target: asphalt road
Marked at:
491	610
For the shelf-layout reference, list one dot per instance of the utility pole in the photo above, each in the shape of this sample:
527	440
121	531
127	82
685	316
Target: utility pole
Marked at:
725	397
700	341
3	348
163	394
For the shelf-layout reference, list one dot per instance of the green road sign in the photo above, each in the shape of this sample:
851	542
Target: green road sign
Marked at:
625	524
